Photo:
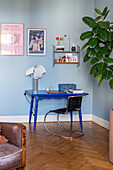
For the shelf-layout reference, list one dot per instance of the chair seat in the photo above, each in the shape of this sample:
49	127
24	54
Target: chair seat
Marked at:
9	154
59	111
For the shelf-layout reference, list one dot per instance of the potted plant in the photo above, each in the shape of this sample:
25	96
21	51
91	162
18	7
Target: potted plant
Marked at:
99	46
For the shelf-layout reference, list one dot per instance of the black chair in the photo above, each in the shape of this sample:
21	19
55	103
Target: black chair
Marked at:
73	104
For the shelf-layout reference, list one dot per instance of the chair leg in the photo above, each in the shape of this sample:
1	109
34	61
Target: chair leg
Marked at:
78	133
69	137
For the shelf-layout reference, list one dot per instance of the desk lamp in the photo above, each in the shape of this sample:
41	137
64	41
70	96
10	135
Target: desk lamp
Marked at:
36	73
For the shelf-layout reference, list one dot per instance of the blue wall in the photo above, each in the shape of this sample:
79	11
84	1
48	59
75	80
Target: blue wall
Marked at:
58	17
103	95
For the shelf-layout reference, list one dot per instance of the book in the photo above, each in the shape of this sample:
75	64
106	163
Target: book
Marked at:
60	48
78	91
74	59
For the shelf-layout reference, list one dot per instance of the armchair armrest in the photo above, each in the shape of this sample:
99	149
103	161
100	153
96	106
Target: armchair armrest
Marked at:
16	135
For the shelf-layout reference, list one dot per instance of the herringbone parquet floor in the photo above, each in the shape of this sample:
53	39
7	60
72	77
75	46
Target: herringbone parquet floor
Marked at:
48	152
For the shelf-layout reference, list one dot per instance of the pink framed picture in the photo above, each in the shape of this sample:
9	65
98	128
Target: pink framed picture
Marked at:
12	39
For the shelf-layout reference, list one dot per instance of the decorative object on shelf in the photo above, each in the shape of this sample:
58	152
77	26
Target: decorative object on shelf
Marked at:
36	42
73	48
60	60
68	57
64	58
69	43
60	39
74	59
51	88
60	48
12	39
47	89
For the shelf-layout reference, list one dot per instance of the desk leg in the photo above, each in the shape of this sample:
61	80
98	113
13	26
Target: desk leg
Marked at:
80	117
35	117
31	108
71	115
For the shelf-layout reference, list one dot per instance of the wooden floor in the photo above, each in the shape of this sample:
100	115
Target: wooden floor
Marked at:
48	152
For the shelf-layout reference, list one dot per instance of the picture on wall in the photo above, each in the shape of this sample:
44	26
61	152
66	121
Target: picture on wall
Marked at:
12	39
36	42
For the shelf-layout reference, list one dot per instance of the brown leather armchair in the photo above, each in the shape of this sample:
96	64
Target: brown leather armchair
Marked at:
13	153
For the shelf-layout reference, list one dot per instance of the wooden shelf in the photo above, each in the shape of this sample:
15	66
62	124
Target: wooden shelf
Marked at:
66	62
58	51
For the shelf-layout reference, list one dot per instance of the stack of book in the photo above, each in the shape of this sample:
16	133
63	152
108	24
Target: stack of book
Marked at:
77	91
60	48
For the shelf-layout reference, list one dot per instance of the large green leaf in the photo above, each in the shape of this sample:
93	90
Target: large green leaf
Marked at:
97	48
101	67
93	69
98	11
96	73
108	44
108	60
110	36
105	11
86	58
111	84
104	50
93	25
106	14
84	46
99	56
88	20
97	18
99	77
110	67
104	25
86	35
96	30
91	52
94	60
92	42
103	36
107	74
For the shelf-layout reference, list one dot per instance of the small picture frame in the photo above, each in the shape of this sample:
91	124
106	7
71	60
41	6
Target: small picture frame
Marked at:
36	42
12	39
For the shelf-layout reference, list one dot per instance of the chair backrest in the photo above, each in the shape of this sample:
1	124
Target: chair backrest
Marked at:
74	103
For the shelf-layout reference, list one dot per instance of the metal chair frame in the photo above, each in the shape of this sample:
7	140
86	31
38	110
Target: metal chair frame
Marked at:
68	109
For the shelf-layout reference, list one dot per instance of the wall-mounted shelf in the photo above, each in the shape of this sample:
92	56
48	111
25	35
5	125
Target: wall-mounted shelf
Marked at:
66	51
66	62
58	51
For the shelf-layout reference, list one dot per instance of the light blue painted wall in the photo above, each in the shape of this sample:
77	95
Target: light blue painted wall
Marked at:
103	95
58	17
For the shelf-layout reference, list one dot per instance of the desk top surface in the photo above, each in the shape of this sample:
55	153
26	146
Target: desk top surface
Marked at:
44	93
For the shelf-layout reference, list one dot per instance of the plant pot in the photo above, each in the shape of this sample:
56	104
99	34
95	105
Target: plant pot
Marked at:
111	135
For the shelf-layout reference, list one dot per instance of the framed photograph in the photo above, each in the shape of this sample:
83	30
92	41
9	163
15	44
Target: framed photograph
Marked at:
12	39
36	42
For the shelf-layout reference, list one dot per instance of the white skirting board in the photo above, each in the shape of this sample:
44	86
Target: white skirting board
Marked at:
40	118
100	121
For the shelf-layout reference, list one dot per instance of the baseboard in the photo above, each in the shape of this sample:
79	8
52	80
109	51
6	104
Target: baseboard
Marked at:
40	118
100	121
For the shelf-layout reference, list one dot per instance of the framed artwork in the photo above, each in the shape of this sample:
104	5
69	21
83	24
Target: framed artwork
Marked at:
12	39
36	42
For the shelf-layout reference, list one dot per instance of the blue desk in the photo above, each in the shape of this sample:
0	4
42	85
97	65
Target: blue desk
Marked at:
43	95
